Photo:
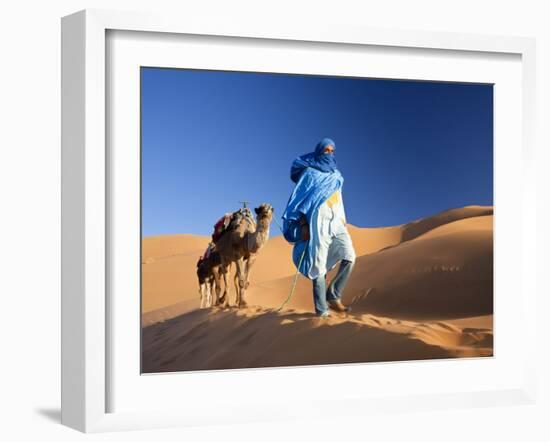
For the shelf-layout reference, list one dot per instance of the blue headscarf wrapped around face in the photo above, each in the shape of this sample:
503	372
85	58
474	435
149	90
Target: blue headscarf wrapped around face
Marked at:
317	159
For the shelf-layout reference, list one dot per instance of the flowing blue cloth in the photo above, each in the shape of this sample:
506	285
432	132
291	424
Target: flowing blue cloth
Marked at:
312	189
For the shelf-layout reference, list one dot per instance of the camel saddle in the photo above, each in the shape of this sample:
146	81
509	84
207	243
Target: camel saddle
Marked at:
206	254
229	221
221	226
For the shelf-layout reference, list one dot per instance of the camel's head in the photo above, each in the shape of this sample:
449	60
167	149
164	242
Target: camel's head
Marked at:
264	211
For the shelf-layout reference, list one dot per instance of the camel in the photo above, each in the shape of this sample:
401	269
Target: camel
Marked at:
207	272
241	244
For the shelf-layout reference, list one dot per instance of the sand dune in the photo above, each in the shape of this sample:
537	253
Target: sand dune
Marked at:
444	273
168	266
420	290
371	240
165	313
168	261
419	227
255	337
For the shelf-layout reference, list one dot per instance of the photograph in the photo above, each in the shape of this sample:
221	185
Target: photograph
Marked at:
303	220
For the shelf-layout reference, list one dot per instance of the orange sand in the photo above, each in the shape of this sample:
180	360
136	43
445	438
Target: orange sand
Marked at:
421	290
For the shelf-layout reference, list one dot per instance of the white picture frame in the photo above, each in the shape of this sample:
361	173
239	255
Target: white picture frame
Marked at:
86	205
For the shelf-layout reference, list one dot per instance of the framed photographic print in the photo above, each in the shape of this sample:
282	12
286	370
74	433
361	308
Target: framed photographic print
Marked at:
275	218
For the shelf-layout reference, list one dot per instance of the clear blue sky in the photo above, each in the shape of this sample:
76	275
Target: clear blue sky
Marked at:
406	149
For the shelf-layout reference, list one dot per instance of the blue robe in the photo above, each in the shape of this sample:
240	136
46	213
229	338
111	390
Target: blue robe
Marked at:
312	189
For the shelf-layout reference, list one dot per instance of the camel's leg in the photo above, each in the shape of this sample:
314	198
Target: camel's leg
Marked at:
237	291
212	290
248	265
228	270
208	293
241	275
201	294
217	284
225	297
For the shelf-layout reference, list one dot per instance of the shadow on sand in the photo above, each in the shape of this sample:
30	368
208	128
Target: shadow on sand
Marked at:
255	337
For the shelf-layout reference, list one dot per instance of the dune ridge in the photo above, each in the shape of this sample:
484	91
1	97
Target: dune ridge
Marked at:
168	261
421	290
255	337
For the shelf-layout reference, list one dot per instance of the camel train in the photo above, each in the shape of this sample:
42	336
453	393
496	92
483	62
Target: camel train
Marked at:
237	238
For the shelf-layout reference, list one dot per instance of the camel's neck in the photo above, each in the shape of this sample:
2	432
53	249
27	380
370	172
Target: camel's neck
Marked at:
260	236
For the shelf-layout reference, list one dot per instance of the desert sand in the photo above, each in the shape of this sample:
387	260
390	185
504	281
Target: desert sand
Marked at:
421	290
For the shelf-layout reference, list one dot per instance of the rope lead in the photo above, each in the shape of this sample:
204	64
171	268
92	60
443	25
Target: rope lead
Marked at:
294	283
295	276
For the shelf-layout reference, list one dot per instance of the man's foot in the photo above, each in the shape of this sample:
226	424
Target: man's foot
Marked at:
337	306
324	315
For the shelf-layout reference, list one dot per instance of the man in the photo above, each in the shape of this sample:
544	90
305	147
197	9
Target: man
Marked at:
315	221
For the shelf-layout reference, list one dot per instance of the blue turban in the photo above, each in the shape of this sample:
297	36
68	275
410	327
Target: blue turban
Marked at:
317	159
